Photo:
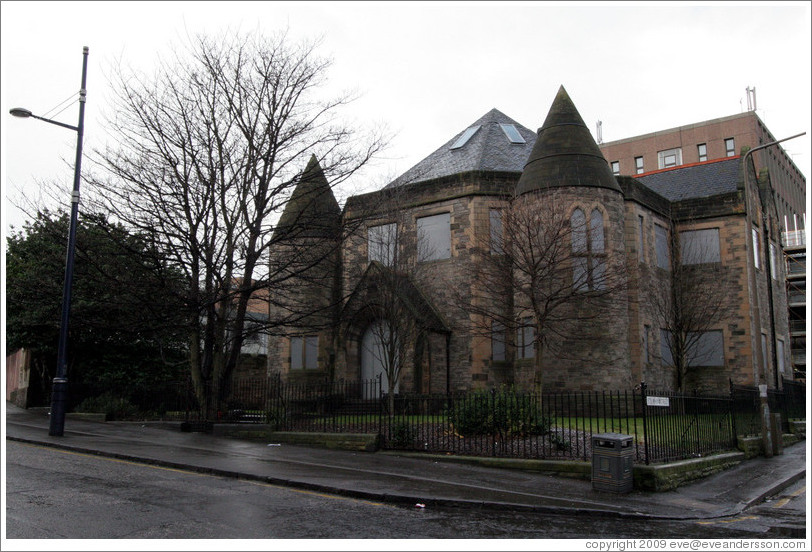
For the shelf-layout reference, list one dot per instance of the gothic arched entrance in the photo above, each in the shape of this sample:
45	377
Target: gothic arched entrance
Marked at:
377	345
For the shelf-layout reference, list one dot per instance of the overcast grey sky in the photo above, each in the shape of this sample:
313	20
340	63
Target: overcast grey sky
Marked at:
427	70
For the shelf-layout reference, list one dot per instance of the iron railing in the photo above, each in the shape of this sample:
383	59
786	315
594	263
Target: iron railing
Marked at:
665	425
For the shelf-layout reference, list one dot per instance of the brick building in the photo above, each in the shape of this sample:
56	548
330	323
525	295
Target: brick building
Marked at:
711	140
409	262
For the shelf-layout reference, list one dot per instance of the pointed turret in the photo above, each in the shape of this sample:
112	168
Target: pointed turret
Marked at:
565	154
312	210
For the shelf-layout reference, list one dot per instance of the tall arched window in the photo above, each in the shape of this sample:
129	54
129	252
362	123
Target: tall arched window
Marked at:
597	250
588	251
596	231
580	251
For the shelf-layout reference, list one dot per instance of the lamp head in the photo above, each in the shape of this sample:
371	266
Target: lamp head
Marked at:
20	112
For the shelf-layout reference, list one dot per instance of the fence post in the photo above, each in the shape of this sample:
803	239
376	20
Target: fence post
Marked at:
696	419
645	425
496	424
380	403
735	436
766	434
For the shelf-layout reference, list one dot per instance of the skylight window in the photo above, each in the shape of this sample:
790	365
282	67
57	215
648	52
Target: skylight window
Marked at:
470	131
512	134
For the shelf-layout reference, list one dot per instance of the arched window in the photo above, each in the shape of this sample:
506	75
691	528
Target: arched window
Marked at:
588	251
596	231
578	222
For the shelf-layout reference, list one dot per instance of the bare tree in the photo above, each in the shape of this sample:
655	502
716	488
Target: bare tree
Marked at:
392	286
543	276
204	156
698	299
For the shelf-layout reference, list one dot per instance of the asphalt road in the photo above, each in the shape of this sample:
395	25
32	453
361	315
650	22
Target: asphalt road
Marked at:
52	493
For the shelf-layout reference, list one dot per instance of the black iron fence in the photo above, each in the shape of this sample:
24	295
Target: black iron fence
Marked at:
666	426
789	402
678	426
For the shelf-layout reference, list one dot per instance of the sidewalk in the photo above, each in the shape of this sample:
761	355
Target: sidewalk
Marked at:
389	477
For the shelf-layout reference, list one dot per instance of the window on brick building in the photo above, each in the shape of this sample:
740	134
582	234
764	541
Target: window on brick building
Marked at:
304	352
616	167
669	158
773	261
382	243
661	246
588	251
702	152
756	256
255	341
434	237
703	348
665	347
638	164
707	350
779	352
641	242
764	362
730	147
699	246
525	335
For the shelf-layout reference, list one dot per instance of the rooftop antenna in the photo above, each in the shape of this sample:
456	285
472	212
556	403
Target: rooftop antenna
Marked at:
751	98
600	132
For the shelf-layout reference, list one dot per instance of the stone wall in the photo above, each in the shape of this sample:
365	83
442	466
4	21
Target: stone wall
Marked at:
592	351
458	362
18	370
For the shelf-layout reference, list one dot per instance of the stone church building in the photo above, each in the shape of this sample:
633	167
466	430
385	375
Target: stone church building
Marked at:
407	276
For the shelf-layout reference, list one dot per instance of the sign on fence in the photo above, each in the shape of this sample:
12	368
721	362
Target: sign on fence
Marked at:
657	401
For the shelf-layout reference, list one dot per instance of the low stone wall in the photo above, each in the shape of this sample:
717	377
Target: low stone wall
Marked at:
560	468
665	477
364	442
87	416
754	446
345	441
657	477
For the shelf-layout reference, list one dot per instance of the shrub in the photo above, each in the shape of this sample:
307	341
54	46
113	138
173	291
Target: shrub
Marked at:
498	412
402	436
560	442
114	408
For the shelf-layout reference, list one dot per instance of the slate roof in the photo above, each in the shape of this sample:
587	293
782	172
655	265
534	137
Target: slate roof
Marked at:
312	210
695	181
489	149
565	153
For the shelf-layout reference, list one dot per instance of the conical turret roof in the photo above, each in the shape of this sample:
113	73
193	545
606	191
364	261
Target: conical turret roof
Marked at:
312	210
565	154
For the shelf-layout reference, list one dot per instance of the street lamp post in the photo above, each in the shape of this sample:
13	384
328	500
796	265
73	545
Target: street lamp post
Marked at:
59	390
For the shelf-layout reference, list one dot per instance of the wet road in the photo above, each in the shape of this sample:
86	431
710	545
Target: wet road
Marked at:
53	493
